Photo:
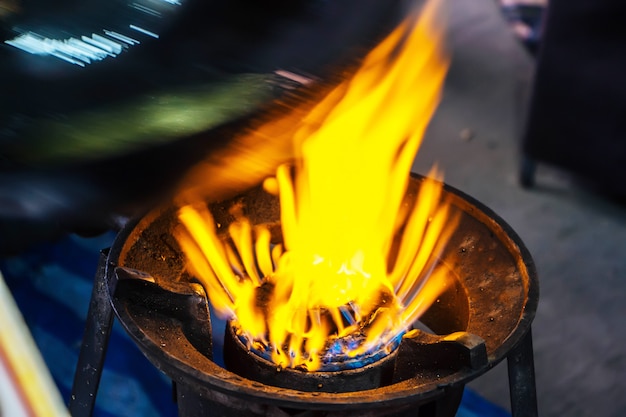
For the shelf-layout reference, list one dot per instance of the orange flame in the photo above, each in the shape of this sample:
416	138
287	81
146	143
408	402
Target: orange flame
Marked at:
342	205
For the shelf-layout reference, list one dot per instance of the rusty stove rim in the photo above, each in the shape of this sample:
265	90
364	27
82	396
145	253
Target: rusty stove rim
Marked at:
399	393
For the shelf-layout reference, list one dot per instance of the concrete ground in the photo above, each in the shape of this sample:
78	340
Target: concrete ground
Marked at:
577	239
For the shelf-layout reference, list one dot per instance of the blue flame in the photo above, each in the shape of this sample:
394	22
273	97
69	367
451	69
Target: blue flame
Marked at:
338	356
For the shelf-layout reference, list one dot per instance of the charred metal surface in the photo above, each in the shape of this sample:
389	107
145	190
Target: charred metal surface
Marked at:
477	321
184	304
426	356
94	346
522	379
451	311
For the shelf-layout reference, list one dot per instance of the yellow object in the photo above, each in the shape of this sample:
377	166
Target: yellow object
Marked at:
26	387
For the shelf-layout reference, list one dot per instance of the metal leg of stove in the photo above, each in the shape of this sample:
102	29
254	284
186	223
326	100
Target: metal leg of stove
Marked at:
528	167
94	346
522	379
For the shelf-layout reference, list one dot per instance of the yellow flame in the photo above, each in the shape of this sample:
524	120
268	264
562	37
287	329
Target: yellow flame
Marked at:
342	205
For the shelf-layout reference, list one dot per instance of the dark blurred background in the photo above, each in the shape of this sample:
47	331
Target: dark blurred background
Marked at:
106	105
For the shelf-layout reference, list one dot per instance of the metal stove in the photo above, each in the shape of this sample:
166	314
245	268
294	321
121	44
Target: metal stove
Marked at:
482	319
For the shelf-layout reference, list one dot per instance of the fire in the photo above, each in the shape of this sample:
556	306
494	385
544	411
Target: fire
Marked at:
339	283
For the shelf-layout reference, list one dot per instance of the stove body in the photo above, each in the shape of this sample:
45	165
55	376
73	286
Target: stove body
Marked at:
483	318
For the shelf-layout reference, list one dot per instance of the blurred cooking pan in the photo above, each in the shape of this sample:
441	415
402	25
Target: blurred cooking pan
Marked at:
106	105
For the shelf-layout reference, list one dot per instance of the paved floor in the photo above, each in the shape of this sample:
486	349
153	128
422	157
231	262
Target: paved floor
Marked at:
578	239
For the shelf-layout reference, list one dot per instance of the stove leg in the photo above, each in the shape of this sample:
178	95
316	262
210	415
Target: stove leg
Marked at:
528	166
94	346
522	379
